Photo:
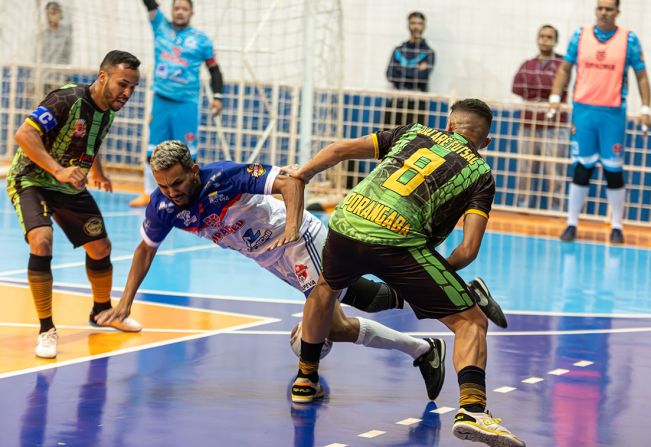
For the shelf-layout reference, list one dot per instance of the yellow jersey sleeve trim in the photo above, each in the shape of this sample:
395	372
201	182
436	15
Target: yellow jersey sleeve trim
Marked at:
479	212
376	146
35	126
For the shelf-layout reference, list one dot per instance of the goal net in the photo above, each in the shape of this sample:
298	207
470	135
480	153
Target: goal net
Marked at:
269	51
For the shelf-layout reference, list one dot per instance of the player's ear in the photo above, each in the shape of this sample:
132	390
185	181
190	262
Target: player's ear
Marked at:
195	168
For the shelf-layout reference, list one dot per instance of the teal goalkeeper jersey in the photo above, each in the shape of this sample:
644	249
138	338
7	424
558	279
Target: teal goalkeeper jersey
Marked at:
427	180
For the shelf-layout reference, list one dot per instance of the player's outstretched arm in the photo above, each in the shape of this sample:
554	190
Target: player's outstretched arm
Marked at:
142	259
474	227
645	93
152	7
292	189
359	148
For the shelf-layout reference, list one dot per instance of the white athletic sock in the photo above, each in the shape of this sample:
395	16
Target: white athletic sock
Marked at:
376	335
577	199
150	181
616	198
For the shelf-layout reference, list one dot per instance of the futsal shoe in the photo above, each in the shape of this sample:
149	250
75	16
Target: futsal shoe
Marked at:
127	325
569	234
432	367
46	346
482	427
305	391
486	302
616	236
141	201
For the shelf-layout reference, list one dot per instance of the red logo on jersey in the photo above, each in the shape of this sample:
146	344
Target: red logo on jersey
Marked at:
617	149
601	55
301	272
80	129
189	138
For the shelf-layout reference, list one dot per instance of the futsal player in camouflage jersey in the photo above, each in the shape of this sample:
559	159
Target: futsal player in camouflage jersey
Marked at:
388	226
58	144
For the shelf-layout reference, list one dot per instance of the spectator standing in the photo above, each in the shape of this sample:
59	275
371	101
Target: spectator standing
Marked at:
409	69
533	83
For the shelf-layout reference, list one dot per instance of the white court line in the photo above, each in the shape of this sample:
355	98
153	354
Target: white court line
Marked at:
583	363
532	380
110	330
371	434
113	259
504	389
443	410
123	351
558	372
409	421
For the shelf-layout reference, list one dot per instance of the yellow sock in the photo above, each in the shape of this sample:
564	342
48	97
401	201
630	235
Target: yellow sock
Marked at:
40	284
101	283
472	394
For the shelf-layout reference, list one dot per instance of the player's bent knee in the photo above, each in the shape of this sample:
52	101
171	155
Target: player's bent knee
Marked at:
614	179
582	175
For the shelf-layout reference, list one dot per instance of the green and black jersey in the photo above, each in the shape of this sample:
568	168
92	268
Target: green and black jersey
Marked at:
427	180
72	128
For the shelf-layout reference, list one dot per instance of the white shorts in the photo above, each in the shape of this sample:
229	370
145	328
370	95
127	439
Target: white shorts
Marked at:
300	263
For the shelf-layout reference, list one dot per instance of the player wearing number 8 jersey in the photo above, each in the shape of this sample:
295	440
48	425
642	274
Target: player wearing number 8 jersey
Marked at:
389	225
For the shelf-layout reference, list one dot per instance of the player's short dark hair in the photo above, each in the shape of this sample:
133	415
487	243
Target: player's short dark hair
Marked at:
55	5
189	1
117	57
417	14
551	28
474	106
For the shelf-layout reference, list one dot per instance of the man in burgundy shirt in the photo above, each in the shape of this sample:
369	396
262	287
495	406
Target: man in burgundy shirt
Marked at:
538	137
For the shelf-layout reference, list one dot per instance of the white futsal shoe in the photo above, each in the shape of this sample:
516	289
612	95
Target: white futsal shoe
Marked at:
127	325
46	346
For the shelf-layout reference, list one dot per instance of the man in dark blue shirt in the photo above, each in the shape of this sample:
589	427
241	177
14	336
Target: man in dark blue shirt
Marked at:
409	69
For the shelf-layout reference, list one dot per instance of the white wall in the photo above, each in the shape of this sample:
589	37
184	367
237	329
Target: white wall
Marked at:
479	44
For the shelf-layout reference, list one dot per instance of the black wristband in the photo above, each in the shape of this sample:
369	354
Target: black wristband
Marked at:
151	5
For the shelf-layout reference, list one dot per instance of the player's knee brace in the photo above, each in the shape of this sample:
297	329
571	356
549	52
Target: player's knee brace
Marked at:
582	175
371	296
98	265
614	180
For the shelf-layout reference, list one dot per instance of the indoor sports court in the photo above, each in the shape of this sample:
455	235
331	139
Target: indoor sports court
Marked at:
213	365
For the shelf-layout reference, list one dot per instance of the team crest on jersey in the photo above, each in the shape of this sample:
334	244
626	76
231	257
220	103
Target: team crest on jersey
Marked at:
212	221
187	217
93	227
256	170
255	238
601	55
80	129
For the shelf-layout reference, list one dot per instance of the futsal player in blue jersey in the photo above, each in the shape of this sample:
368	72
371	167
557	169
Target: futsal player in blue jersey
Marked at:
179	52
231	204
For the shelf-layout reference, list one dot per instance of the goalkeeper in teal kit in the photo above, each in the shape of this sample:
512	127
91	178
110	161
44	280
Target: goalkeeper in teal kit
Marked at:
179	52
388	226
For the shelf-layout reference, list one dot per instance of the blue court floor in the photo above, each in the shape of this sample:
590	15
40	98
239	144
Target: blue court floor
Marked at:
571	370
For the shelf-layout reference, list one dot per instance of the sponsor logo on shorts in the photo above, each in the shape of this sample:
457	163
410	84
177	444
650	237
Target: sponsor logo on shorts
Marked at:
255	238
93	227
617	149
256	170
301	272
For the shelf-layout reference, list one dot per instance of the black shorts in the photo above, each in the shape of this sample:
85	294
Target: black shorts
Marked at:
77	214
421	276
